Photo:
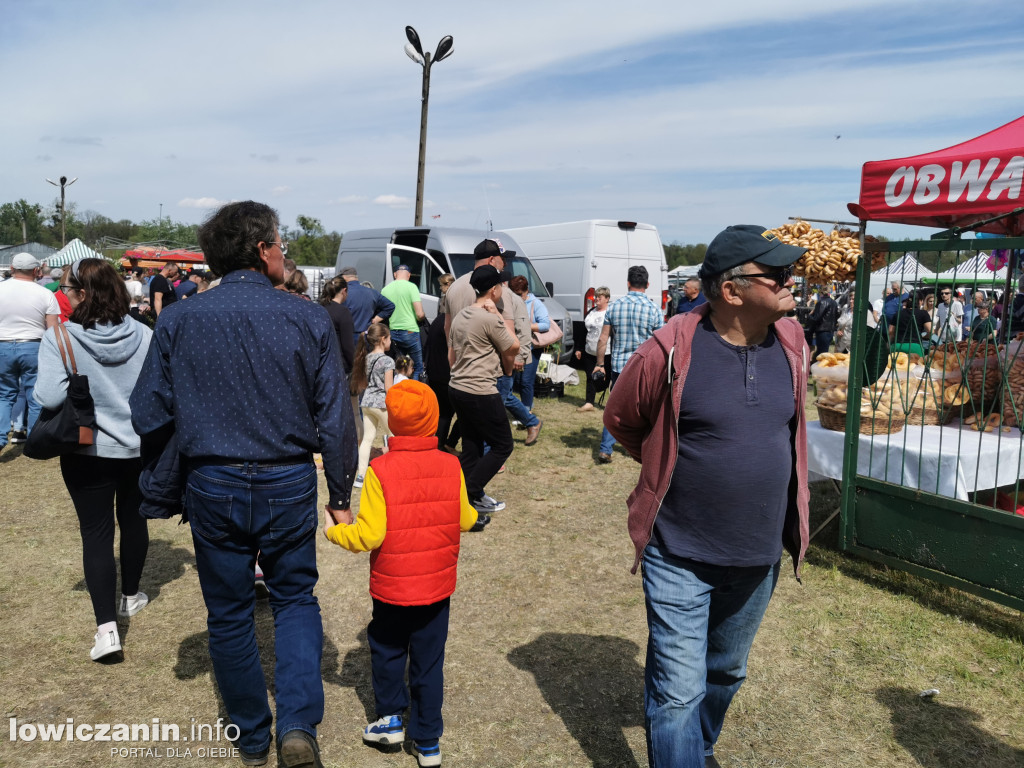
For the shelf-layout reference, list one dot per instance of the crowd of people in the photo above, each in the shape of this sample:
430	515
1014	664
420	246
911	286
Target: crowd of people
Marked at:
190	420
912	320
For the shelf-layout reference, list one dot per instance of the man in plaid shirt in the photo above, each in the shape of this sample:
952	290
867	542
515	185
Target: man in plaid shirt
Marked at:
634	318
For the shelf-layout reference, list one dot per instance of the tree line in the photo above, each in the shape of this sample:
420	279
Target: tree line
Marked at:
309	243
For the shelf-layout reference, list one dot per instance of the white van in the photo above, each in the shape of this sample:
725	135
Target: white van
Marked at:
577	257
429	252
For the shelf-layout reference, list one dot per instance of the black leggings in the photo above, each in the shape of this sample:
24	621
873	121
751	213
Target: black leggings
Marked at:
94	483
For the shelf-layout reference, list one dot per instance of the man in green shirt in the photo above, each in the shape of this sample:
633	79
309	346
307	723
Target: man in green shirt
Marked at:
405	320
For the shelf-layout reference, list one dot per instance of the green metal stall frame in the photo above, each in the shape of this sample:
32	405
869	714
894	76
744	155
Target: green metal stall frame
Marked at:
966	544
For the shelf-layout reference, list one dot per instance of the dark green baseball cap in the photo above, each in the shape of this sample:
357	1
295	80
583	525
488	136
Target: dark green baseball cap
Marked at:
747	242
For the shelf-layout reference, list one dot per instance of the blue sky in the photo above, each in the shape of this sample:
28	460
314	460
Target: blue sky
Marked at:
689	116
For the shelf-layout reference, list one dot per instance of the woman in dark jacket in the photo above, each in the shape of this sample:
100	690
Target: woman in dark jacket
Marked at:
439	372
334	293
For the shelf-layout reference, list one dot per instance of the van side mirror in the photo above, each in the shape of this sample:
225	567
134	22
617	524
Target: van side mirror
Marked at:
551	288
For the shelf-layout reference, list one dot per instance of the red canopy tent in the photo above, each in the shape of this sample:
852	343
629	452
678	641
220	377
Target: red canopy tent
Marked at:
954	187
151	256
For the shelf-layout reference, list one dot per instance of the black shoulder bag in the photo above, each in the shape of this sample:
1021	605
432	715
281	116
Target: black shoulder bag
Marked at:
68	428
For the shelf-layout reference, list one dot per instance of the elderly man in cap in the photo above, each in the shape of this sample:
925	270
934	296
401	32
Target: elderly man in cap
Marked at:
713	408
406	319
483	349
27	309
366	305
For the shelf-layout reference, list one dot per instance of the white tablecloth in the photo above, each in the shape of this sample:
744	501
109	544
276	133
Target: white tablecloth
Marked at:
942	460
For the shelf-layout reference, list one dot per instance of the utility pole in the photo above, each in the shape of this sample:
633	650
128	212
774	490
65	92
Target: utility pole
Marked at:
63	183
414	50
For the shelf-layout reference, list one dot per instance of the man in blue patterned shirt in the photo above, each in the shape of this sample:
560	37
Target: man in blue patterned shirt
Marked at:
633	318
251	380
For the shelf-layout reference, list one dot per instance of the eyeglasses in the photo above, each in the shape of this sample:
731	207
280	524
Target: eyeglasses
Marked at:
780	276
66	289
282	244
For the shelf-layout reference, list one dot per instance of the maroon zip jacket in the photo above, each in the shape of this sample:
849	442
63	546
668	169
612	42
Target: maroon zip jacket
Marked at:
641	417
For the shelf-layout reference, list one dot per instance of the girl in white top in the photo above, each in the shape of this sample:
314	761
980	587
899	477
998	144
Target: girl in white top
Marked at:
404	368
373	373
593	323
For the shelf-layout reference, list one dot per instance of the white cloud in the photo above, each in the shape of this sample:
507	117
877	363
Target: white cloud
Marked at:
201	202
279	191
393	201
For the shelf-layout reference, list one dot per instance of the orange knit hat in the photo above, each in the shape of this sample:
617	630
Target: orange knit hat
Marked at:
412	409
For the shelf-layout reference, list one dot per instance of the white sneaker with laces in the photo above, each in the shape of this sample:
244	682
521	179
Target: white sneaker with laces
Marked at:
132	604
107	647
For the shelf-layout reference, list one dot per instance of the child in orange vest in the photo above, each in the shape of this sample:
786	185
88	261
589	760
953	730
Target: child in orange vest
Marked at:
412	510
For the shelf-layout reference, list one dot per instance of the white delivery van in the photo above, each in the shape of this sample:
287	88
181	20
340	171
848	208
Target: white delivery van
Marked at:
577	257
429	252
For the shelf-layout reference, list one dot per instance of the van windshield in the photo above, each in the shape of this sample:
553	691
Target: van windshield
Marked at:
517	265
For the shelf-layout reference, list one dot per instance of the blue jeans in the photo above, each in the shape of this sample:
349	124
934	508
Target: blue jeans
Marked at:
19	416
702	620
235	513
607	441
527	378
19	363
514	405
822	341
408	343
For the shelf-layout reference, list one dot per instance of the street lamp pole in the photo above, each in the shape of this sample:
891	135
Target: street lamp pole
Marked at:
63	183
414	50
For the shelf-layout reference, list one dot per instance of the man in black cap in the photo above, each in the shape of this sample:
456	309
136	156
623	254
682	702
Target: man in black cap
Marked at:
483	349
461	294
714	405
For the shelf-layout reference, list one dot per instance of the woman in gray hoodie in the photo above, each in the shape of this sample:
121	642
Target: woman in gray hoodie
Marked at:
109	347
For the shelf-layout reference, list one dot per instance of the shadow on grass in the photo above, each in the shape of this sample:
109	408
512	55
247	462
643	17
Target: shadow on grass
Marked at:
10	452
594	684
585	437
824	553
939	735
354	672
194	657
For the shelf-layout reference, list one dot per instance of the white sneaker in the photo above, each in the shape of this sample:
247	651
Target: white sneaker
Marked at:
132	604
107	647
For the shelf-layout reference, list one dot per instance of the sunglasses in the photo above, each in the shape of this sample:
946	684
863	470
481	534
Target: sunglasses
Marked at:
780	276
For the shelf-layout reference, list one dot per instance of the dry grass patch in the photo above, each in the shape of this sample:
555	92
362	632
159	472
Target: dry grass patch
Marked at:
545	655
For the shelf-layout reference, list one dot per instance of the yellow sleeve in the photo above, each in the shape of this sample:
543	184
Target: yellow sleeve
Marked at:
469	515
369	528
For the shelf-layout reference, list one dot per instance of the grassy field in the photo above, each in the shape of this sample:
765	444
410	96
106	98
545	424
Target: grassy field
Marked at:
545	655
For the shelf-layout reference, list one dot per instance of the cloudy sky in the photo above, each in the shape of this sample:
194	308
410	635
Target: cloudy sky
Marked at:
686	115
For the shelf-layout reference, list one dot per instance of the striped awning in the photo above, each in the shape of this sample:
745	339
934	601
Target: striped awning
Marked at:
71	252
